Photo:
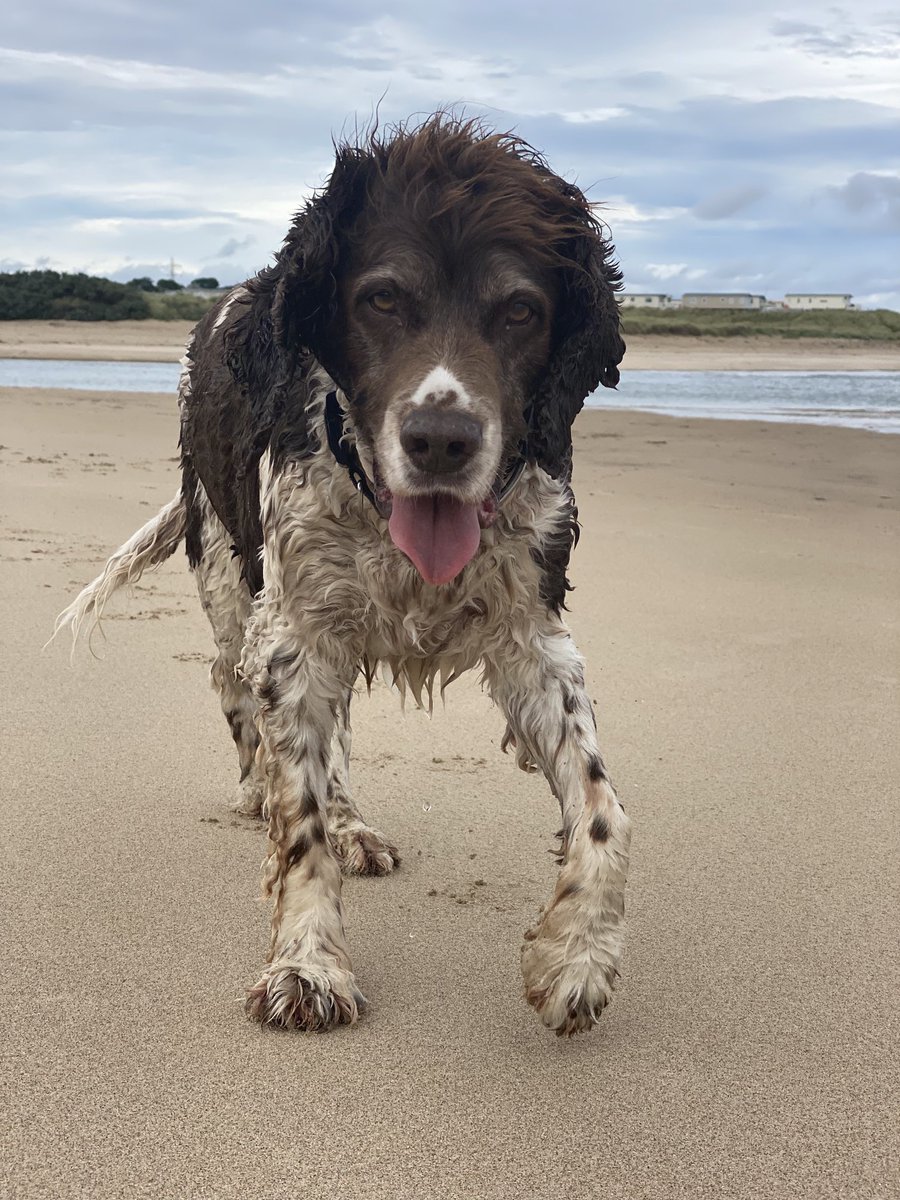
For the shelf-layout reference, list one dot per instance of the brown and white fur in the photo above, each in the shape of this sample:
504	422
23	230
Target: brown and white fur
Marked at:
458	299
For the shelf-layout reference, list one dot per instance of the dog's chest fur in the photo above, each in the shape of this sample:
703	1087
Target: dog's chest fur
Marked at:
330	562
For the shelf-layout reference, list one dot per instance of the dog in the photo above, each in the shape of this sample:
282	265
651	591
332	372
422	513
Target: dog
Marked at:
376	450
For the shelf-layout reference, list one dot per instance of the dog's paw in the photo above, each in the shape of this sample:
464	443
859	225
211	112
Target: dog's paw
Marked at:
364	851
568	996
570	966
308	996
250	798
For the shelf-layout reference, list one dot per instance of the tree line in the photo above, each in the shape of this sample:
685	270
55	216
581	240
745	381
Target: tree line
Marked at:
56	295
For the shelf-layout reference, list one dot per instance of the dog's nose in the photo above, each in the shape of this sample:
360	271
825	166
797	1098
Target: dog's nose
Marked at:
438	441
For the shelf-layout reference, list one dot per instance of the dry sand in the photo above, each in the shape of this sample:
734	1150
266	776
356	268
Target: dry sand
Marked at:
655	353
110	341
736	600
164	341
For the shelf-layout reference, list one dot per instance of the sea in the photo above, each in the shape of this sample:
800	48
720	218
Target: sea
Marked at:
855	399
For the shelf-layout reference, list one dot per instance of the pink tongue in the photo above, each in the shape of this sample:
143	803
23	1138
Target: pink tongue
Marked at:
438	533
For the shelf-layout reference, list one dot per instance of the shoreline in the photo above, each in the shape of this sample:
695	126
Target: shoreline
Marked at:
165	341
606	412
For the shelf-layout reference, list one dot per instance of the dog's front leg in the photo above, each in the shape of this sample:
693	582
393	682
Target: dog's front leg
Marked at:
570	958
309	983
361	849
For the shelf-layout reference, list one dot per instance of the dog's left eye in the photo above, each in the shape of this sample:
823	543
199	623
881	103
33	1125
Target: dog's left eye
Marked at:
383	302
519	313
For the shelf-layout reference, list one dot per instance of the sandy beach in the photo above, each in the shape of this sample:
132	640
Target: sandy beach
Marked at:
164	341
736	601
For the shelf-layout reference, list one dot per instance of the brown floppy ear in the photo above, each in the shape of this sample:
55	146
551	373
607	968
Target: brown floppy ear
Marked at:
291	306
305	304
588	345
288	311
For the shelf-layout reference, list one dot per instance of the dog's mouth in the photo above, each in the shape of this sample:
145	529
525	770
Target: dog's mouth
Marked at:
438	532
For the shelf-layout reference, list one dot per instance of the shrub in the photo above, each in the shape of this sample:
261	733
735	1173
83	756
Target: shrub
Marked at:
49	295
178	306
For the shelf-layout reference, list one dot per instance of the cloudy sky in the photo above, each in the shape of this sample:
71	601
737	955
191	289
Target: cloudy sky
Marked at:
736	147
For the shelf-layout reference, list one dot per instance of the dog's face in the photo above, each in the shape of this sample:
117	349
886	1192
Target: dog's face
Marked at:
442	357
442	346
463	298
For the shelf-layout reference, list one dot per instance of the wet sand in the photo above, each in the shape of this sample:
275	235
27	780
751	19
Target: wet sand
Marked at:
736	601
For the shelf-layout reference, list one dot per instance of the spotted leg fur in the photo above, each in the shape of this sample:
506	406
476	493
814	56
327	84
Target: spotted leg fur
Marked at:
570	958
309	982
361	849
226	601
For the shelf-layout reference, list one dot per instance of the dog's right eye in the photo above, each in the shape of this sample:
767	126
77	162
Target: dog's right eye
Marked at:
384	303
519	313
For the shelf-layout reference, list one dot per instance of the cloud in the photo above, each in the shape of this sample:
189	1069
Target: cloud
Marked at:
868	194
619	211
843	39
669	271
728	203
233	245
592	116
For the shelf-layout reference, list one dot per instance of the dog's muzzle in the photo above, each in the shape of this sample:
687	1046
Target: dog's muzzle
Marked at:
438	532
439	442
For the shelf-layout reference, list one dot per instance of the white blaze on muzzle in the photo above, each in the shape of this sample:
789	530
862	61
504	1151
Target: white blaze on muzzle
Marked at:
438	384
438	532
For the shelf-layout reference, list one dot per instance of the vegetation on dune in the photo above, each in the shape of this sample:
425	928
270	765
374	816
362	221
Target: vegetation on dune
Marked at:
50	295
874	325
177	306
56	296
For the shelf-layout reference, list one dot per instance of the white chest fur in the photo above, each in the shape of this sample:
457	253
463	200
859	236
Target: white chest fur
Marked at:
336	577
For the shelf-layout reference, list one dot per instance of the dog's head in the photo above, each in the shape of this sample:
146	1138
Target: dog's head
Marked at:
463	297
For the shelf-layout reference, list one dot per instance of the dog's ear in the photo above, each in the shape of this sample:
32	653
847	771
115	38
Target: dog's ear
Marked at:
305	303
587	347
290	307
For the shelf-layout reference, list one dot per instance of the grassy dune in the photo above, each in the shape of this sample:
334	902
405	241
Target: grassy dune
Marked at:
876	325
176	306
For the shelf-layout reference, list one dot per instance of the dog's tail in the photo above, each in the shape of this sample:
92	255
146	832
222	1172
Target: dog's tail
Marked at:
151	545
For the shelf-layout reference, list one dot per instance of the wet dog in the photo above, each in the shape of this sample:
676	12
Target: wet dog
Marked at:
376	461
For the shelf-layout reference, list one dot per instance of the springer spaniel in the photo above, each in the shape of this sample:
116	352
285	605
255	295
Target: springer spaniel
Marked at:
376	459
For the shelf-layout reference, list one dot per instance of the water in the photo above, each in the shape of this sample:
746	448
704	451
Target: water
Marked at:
858	399
89	376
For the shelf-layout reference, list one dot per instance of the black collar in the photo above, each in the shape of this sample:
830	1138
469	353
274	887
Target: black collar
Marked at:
346	456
